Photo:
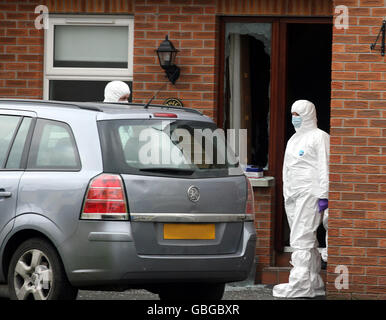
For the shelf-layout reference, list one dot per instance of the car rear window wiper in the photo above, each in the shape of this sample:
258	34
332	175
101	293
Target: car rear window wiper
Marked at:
169	170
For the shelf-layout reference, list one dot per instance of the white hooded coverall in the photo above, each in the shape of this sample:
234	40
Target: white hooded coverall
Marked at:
305	181
114	90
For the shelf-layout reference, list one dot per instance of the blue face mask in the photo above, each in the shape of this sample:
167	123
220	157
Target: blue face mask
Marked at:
296	121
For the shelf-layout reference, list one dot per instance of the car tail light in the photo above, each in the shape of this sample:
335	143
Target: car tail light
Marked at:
250	207
105	199
164	115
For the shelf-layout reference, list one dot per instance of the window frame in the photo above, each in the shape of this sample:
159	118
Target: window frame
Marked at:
77	73
26	147
21	114
11	141
34	143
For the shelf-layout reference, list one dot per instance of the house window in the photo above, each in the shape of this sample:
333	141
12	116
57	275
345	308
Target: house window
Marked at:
247	86
84	53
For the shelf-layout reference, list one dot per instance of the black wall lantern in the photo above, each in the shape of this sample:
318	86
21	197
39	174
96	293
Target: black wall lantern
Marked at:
167	55
383	31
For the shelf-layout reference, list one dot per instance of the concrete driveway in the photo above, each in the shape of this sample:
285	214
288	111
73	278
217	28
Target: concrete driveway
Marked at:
249	292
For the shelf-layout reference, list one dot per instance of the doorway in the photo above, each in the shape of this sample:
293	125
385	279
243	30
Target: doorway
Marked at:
309	48
267	64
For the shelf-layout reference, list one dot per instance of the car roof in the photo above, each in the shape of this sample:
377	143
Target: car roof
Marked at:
104	110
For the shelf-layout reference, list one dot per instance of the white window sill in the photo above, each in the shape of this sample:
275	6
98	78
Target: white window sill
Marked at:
290	249
263	182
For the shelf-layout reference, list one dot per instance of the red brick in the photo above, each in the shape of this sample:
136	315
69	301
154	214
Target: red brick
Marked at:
357	48
378	104
192	10
16	66
181	18
356	123
7	24
30	92
269	277
380	271
7	75
378	67
191	27
168	26
372	3
380	12
357	85
30	41
29	57
145	9
7	92
368	113
377	160
367	150
341	94
29	75
169	10
369	76
344	75
376	233
15	83
368	132
192	44
145	26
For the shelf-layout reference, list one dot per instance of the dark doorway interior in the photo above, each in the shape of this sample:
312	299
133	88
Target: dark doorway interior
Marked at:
260	80
254	75
309	50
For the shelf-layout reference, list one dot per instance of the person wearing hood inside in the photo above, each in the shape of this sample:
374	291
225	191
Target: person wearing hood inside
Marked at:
305	191
117	91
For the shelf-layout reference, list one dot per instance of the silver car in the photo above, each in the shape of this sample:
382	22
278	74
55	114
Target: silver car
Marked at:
84	206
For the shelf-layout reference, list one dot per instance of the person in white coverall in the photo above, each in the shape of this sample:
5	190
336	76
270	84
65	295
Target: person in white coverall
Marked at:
305	191
117	91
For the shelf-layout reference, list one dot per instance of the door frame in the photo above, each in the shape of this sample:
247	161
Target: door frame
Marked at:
278	97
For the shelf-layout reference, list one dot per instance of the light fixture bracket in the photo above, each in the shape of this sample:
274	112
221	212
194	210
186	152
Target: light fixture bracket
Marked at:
383	32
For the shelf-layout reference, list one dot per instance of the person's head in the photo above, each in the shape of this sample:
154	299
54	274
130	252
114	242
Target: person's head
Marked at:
116	91
303	115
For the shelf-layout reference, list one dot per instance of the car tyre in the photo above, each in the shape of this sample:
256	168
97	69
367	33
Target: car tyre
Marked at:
202	291
36	272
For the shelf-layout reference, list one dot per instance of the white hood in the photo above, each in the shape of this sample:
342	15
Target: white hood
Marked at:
307	112
114	90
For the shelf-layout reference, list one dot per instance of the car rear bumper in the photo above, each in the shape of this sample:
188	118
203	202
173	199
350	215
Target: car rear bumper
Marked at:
104	253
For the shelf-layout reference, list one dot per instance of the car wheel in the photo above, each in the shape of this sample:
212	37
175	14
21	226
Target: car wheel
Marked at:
203	291
37	273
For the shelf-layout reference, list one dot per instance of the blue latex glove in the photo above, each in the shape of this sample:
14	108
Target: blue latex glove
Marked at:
323	204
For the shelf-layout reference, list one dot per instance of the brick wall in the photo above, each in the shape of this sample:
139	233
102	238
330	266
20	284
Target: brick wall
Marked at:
357	224
265	230
21	51
275	7
191	26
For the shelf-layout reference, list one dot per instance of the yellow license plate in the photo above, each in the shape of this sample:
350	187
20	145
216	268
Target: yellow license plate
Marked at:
189	231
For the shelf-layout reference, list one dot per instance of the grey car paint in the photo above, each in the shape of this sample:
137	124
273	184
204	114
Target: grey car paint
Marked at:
96	253
9	184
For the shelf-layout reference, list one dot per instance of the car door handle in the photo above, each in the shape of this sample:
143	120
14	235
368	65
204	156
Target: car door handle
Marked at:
5	194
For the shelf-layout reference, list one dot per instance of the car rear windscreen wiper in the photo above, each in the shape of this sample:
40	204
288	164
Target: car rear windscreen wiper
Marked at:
169	170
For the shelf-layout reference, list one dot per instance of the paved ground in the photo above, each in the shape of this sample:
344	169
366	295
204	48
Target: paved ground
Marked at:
257	292
254	292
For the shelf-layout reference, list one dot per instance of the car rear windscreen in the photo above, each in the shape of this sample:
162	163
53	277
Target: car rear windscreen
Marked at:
166	147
